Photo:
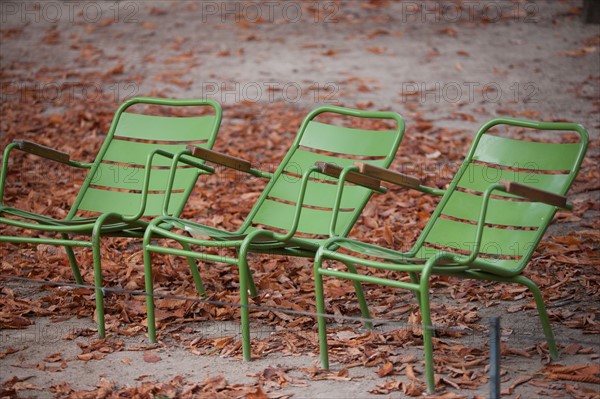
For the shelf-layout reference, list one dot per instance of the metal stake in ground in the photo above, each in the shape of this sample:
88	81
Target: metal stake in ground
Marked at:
495	357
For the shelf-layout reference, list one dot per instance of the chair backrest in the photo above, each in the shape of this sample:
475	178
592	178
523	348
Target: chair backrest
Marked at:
324	142
115	181
514	226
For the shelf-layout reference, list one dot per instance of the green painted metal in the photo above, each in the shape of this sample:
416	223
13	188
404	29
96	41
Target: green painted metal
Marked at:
479	177
318	194
123	177
313	221
344	140
495	241
129	203
296	199
135	153
521	214
517	153
160	128
484	222
302	159
150	191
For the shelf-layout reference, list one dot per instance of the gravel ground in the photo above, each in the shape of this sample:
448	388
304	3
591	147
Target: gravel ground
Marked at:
452	67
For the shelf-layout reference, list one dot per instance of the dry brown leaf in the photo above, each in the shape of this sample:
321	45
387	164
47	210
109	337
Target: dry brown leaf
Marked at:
150	357
91	356
449	31
580	372
53	358
214	384
376	50
580	52
8	351
117	70
388	235
258	394
385	370
410	373
522	380
413	389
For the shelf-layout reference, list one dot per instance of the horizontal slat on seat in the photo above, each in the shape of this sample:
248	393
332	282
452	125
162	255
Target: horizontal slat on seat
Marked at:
317	194
454	234
98	200
509	213
302	160
130	178
480	177
150	127
346	140
525	154
426	252
136	153
312	221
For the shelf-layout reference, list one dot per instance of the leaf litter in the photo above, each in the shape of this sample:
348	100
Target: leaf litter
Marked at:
566	265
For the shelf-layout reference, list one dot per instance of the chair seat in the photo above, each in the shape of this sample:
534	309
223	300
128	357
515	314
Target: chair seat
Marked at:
201	232
297	204
83	226
486	226
141	171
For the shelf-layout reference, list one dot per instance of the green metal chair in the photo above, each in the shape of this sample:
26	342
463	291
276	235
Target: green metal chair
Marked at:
292	202
486	226
137	173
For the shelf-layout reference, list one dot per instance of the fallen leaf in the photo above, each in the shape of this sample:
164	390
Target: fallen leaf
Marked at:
91	356
385	370
449	31
258	394
150	357
580	52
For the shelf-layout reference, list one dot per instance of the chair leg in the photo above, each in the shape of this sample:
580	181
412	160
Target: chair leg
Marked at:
360	295
251	286
98	285
73	261
427	329
543	314
195	272
150	318
321	320
414	278
245	312
250	280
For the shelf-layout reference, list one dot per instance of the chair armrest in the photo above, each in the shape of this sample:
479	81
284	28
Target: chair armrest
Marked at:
353	177
220	159
43	151
389	175
178	158
535	194
401	179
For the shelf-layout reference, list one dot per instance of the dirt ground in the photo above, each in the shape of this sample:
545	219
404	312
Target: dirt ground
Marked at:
50	355
449	66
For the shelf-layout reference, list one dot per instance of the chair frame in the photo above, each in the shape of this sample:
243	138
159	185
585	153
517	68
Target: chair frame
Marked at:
107	223
248	239
420	268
